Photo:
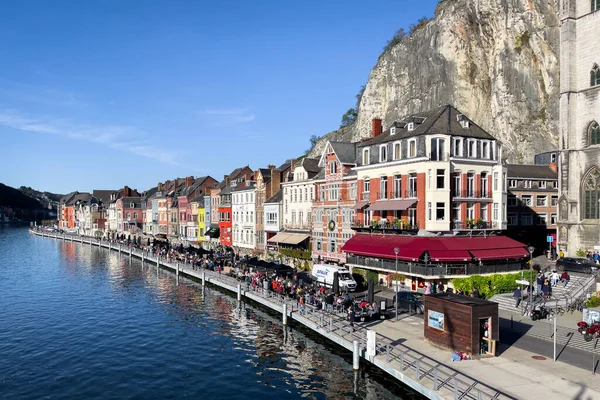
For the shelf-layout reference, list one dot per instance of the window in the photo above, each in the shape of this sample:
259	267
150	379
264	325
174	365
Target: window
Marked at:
396	151
455	211
594	133
483	212
526	200
366	188
300	192
542	184
366	157
332	167
541	201
135	215
512	183
437	149
383	153
412	148
334	191
484	185
321	192
526	219
332	237
470	211
527	184
412	185
456	182
300	217
383	187
293	218
595	72
428	179
352	191
512	219
591	194
458	147
553	219
496	214
470	184
472	148
441	175
440	211
128	215
541	219
429	211
554	201
397	186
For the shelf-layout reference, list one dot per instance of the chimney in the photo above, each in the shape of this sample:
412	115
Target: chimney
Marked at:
167	185
189	181
275	180
126	191
553	166
159	186
270	166
292	164
376	127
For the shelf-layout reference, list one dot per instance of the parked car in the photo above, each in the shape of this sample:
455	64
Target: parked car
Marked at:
576	264
410	298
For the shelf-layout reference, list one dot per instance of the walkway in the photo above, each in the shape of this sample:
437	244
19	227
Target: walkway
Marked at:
402	352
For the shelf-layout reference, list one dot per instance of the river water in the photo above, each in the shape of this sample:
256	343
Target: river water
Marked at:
77	322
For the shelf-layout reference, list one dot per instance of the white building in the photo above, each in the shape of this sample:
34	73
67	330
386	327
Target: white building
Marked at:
298	195
243	208
273	211
579	142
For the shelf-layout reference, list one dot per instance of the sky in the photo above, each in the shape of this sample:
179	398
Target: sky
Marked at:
106	93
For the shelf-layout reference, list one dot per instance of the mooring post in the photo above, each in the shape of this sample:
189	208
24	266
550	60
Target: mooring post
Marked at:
119	248
203	278
177	269
330	324
239	292
284	314
356	355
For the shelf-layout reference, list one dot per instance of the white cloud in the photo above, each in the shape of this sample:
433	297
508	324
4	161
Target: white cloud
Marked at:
123	138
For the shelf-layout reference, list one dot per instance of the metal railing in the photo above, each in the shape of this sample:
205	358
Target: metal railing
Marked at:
385	225
472	194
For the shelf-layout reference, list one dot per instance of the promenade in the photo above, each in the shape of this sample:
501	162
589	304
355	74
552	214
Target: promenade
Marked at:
400	348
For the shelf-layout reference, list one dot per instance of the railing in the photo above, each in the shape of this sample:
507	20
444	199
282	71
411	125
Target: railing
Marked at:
410	194
385	225
463	225
421	268
472	194
381	196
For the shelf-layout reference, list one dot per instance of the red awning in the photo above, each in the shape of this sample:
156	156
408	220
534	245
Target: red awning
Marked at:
400	205
360	205
515	252
449	255
441	247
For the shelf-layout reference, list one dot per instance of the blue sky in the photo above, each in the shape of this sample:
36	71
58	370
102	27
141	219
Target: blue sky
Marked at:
102	94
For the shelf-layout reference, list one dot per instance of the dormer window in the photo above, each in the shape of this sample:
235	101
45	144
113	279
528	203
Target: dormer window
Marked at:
595	72
131	205
392	130
396	151
412	148
366	156
332	167
383	153
410	126
472	148
485	150
465	124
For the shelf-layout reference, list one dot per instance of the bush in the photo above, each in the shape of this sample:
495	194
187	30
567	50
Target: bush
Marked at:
304	255
491	285
592	302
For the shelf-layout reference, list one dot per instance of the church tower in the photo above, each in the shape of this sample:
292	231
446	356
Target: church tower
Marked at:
579	135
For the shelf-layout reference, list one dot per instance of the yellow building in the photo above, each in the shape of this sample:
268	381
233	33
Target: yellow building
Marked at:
201	222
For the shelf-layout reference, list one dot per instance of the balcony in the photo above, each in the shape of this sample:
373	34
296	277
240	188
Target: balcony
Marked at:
472	194
476	225
439	157
410	194
385	227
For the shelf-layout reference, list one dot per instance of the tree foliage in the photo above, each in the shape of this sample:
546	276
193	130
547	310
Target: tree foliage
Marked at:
313	142
349	117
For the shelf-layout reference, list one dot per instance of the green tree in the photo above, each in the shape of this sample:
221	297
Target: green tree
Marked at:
349	117
313	142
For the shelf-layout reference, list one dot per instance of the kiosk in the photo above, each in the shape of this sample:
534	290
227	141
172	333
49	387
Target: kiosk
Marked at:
462	323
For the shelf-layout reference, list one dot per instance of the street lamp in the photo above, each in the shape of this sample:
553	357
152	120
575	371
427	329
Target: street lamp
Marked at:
530	249
396	250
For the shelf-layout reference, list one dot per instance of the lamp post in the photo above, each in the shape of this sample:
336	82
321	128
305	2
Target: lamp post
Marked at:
530	249
396	251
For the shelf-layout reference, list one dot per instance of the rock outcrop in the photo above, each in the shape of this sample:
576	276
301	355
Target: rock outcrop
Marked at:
495	60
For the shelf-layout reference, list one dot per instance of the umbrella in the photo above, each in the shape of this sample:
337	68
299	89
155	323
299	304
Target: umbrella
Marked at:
336	282
370	292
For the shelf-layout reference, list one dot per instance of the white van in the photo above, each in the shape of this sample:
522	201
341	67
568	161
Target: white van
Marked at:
323	274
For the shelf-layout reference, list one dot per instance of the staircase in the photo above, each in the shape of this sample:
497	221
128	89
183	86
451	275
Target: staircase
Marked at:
561	296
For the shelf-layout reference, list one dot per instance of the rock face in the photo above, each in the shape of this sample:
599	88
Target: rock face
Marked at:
494	60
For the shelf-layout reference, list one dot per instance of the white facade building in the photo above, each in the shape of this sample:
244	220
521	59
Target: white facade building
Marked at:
579	142
298	195
243	208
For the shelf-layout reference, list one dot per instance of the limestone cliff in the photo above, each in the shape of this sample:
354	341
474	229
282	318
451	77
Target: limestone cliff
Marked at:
495	60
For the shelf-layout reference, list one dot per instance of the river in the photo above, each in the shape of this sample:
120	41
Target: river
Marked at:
78	322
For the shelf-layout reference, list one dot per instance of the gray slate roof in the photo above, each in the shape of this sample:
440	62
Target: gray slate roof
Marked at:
276	198
530	171
311	165
102	195
442	120
345	151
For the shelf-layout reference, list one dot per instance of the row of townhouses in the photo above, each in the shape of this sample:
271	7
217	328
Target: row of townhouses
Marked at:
429	196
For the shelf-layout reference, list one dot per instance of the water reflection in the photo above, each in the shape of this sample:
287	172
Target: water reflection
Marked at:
225	335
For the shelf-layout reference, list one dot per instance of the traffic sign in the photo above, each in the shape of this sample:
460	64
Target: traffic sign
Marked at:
549	239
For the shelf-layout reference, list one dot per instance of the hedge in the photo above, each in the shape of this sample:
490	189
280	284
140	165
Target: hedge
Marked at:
491	285
303	255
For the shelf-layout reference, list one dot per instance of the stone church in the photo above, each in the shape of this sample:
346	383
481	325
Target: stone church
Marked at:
579	142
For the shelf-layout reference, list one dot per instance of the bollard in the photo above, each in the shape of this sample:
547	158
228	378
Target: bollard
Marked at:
330	324
142	259
119	248
130	252
239	292
177	274
284	314
356	355
203	278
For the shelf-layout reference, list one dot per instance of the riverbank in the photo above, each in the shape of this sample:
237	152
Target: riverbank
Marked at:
398	347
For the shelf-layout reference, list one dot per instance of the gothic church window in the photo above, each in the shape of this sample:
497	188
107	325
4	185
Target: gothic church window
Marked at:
591	194
594	133
595	72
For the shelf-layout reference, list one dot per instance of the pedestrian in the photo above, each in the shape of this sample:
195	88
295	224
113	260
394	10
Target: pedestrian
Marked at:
475	293
428	288
301	305
540	281
517	296
554	277
351	317
440	288
561	254
565	278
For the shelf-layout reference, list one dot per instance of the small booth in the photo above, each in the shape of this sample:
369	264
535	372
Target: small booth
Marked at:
462	323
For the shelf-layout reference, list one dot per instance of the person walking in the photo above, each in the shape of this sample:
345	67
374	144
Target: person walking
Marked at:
561	254
540	281
565	278
475	293
517	296
351	317
440	288
302	306
555	277
428	288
